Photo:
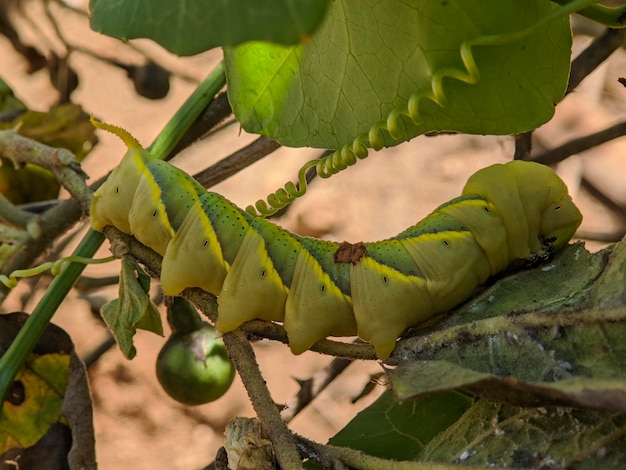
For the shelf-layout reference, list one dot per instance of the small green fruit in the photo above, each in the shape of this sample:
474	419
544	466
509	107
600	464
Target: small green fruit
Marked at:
194	368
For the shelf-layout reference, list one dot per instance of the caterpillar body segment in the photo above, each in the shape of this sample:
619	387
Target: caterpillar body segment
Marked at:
117	214
318	288
313	294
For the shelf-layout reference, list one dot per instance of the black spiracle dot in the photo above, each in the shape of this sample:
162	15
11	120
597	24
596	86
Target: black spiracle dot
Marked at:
117	190
154	213
385	280
445	242
205	243
557	208
263	273
322	288
486	208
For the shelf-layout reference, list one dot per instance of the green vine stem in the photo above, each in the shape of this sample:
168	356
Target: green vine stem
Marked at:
188	113
333	457
12	360
612	17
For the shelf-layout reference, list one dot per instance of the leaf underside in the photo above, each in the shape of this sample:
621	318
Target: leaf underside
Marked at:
368	58
193	26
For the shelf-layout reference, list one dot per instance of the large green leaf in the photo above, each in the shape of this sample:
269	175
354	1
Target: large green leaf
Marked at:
549	335
453	427
401	430
370	57
192	26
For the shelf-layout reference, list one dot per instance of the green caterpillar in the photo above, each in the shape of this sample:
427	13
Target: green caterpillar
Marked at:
319	288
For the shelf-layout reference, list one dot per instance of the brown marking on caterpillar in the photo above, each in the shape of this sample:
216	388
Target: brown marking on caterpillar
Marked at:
350	253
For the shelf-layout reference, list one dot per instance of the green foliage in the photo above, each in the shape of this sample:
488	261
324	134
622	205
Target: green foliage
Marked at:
370	59
195	26
401	430
452	427
133	309
545	348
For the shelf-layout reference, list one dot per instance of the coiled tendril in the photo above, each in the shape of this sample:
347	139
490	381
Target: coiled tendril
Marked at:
356	150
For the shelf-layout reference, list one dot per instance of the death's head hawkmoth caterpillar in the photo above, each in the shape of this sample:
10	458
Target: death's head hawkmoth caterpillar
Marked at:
319	288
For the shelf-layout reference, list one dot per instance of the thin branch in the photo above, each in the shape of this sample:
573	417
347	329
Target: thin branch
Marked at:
38	207
523	146
59	161
71	48
581	144
54	24
604	237
617	208
597	52
276	332
218	110
90	358
88	283
207	303
13	215
242	355
312	387
236	162
52	224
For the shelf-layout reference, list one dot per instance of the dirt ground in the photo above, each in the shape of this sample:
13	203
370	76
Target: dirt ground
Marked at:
137	426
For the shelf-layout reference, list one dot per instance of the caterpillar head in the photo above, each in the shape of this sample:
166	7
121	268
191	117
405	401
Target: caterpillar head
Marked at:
543	193
560	218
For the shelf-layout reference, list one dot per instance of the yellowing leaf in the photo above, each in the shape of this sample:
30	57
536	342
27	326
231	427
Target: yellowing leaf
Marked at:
34	401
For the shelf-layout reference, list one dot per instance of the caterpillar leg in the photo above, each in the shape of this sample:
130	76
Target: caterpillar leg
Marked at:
316	307
194	257
386	303
252	276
